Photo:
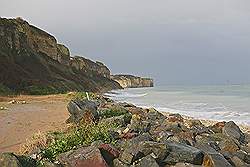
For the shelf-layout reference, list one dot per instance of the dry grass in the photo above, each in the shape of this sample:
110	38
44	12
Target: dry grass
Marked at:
36	142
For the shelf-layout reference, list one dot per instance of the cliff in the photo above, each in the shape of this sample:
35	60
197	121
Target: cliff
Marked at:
129	81
31	61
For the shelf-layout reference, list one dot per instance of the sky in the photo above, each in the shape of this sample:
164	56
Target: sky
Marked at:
184	42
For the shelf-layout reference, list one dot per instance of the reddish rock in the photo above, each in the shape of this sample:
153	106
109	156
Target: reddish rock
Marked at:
129	135
217	128
109	152
83	157
175	118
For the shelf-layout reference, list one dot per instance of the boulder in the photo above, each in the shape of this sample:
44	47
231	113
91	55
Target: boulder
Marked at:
215	160
109	152
183	153
82	110
217	128
84	156
9	160
232	130
157	150
147	161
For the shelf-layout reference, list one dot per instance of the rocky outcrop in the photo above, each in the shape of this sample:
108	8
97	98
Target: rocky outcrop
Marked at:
130	81
31	61
88	66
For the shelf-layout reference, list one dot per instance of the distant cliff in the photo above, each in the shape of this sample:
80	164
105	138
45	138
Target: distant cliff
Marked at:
31	61
129	81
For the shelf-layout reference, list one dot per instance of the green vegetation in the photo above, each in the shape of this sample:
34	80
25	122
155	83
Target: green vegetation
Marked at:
4	90
42	90
83	135
112	112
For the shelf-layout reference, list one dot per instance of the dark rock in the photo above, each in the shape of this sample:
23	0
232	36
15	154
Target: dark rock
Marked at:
232	130
82	109
134	150
154	115
27	161
138	125
109	152
84	156
183	137
183	153
157	150
9	160
147	161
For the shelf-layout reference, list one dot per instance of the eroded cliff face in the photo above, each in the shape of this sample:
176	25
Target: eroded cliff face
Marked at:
17	35
30	57
129	81
88	66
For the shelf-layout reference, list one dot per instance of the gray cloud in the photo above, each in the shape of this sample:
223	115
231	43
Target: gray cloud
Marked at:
173	41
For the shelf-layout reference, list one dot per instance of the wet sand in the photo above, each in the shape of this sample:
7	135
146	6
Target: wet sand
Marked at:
22	121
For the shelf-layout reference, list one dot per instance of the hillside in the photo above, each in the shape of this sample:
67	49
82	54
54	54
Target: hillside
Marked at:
32	62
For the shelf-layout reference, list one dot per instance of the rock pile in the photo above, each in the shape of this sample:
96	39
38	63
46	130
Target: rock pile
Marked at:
148	138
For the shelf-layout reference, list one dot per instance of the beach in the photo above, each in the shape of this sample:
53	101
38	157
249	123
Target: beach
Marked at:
42	114
21	121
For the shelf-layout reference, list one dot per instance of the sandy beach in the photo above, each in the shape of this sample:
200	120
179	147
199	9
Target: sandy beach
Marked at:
22	121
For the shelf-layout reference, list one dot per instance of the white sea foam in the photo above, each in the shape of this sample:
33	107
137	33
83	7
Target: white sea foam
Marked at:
215	103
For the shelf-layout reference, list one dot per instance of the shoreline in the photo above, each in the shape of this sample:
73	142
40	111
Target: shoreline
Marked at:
21	121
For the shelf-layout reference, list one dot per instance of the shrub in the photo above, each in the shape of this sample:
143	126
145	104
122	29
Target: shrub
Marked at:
112	112
41	90
4	90
82	135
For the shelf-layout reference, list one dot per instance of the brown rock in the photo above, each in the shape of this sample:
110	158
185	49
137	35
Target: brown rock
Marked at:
215	160
83	157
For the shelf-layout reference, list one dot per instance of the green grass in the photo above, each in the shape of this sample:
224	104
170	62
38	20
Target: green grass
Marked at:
112	112
79	136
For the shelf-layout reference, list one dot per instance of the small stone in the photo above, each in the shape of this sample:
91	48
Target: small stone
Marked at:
118	163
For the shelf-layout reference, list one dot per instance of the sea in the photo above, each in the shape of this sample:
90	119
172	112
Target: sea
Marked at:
220	103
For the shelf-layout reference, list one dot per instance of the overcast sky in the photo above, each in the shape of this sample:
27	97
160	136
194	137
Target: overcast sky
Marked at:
173	41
